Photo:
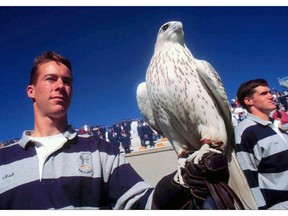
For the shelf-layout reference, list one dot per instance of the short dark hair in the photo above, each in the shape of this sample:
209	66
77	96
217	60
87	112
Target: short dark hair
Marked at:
247	89
44	58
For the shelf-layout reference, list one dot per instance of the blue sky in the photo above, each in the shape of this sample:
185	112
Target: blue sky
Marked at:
110	49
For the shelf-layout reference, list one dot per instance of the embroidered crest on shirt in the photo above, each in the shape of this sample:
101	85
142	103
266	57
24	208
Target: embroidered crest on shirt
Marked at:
86	166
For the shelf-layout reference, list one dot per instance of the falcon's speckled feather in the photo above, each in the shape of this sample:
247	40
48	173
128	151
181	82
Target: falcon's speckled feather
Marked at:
184	97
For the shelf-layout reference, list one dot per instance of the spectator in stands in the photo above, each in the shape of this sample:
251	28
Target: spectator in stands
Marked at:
282	99
134	125
126	127
281	116
262	148
113	137
125	141
86	129
141	133
117	127
233	103
240	113
97	133
102	129
148	134
52	167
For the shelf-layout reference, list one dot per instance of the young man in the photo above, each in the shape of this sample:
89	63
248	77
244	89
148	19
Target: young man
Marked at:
52	167
262	148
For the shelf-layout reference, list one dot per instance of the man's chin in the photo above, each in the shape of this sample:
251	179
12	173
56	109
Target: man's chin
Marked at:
60	112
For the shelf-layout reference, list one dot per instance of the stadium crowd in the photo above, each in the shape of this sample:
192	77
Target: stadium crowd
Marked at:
120	132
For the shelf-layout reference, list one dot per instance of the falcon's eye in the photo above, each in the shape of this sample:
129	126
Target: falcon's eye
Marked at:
165	27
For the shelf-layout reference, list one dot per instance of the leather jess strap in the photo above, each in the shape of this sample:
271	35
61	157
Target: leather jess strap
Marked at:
224	197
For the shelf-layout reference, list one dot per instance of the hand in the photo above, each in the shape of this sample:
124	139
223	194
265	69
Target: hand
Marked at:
212	168
193	177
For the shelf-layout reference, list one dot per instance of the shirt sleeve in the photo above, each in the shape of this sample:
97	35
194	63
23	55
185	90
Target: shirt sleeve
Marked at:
126	188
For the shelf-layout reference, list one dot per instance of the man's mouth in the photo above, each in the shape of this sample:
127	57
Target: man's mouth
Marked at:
59	98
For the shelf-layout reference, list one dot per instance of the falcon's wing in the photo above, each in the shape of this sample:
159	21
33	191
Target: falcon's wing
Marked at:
213	82
237	180
145	107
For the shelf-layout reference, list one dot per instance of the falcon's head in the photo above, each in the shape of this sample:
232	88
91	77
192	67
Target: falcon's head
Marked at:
170	32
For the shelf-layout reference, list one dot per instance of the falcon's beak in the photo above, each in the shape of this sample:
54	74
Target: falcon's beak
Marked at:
177	26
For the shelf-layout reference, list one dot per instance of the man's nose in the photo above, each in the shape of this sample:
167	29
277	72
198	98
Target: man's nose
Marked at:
270	95
60	84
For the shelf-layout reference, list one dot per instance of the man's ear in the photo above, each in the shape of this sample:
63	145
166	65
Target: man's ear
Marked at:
248	101
30	92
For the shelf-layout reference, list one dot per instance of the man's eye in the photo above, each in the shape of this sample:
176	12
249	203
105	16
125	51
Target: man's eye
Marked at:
50	79
67	81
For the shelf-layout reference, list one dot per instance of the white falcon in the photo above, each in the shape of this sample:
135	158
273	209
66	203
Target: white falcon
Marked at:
184	98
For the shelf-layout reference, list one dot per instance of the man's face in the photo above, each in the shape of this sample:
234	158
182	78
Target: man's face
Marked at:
262	100
52	92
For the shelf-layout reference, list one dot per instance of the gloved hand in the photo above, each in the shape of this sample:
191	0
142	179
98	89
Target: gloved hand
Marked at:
212	168
194	177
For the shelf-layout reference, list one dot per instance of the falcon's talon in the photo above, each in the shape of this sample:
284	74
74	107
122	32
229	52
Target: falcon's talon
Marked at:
197	155
178	177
